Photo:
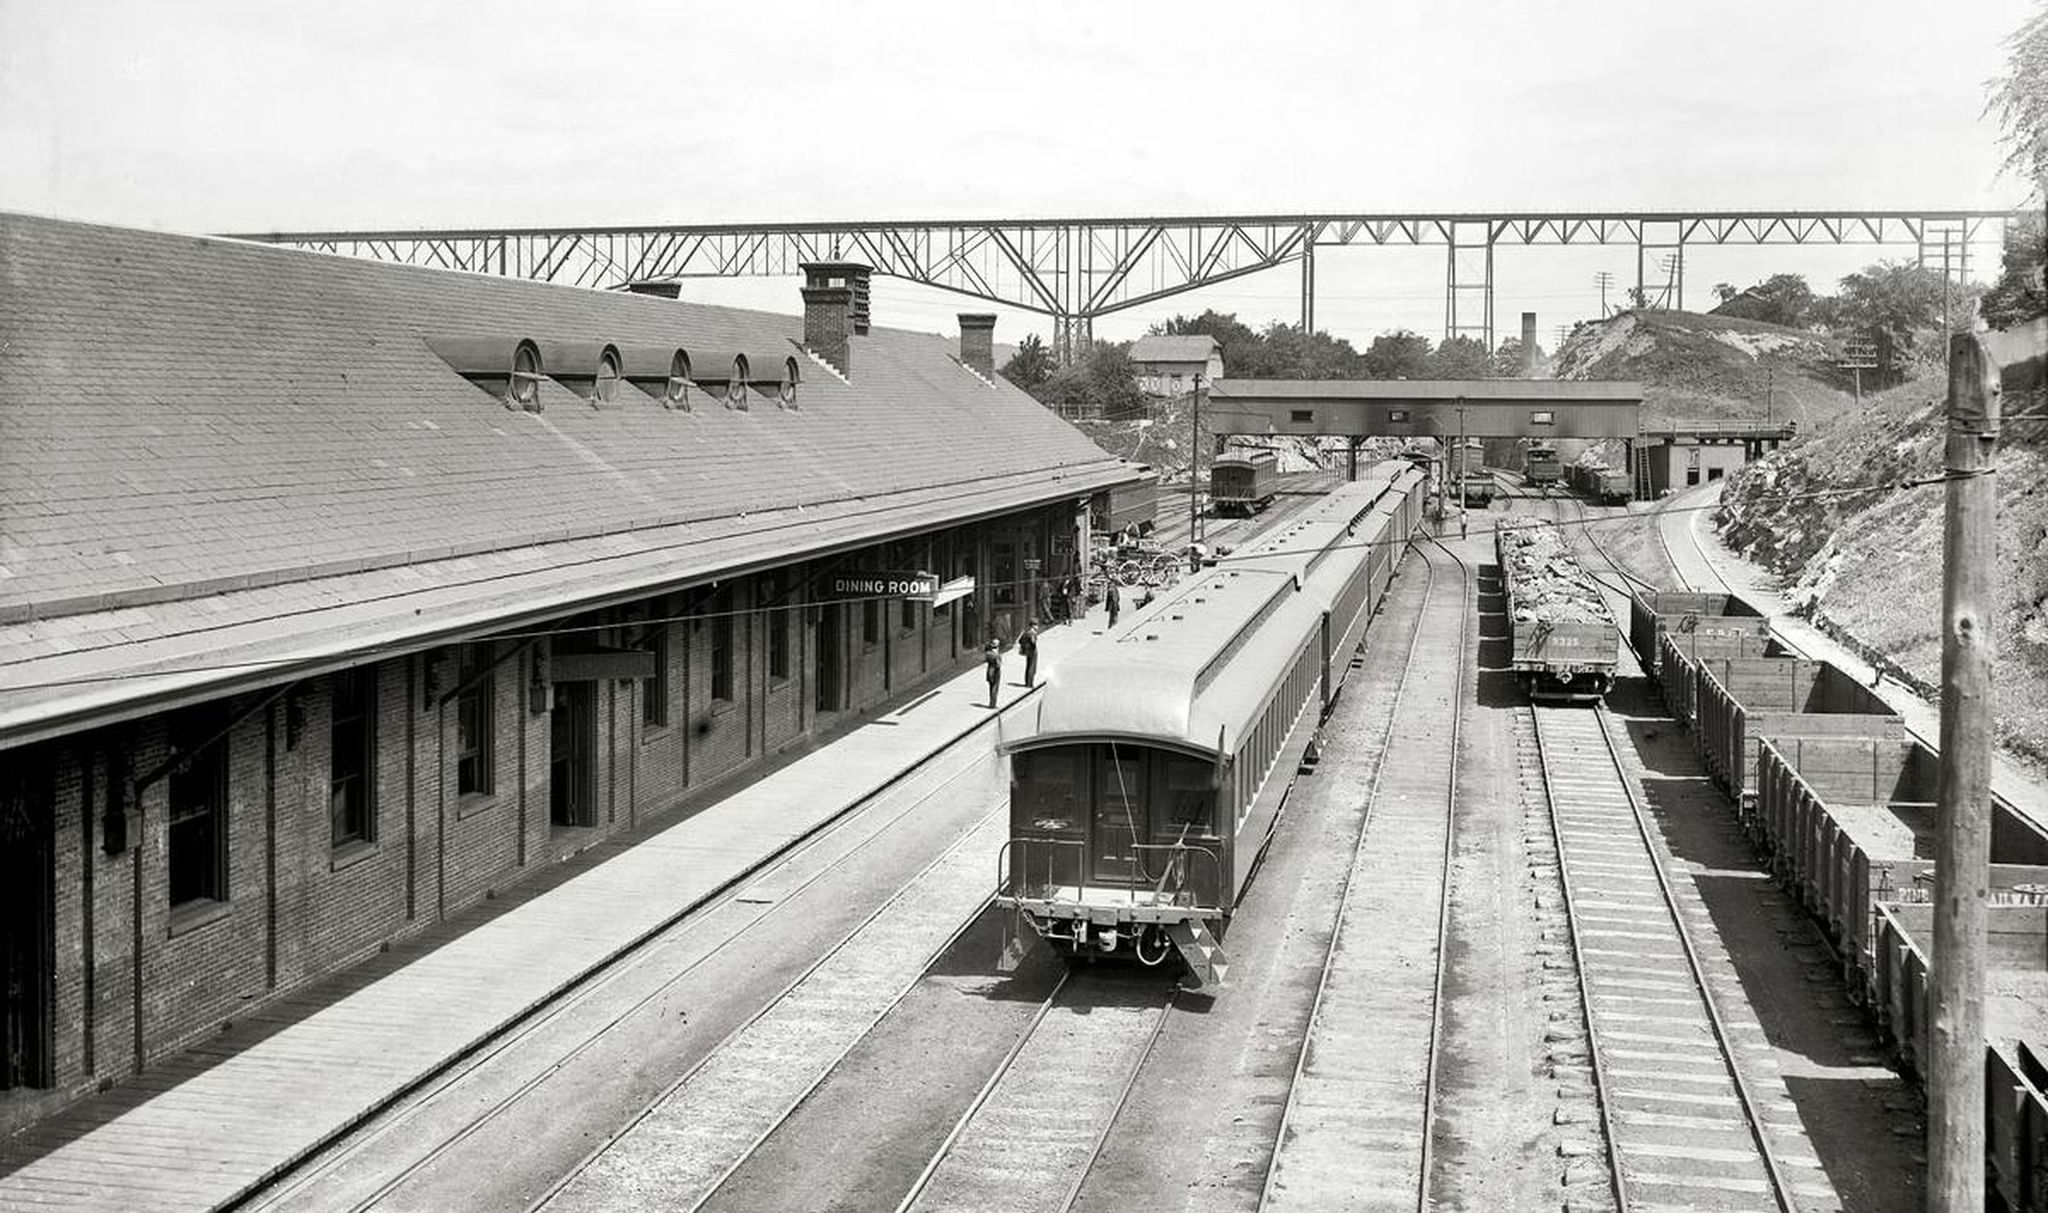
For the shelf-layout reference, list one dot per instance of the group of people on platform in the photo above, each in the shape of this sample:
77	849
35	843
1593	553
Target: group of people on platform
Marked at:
1065	606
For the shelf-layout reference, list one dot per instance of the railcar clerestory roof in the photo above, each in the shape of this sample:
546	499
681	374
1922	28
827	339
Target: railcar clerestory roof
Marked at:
1192	670
222	462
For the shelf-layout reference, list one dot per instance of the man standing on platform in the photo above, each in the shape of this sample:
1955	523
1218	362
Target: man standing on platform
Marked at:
992	658
1113	602
1027	644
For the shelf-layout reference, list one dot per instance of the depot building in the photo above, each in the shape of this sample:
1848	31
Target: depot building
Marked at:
335	595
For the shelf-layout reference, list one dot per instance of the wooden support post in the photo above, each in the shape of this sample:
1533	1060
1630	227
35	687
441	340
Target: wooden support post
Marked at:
1351	459
1955	1120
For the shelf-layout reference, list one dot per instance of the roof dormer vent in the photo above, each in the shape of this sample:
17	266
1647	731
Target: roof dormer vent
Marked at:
661	371
510	369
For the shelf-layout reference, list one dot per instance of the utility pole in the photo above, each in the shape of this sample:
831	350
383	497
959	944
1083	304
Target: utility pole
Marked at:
1604	279
1955	1087
1955	1096
1195	467
1770	384
1464	458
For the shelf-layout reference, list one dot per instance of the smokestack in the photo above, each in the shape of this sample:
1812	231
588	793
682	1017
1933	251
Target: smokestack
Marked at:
978	342
1528	345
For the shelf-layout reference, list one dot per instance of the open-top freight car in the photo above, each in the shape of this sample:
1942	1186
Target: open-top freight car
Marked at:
1564	644
1739	703
1243	484
1148	775
1597	481
1540	466
1701	625
1850	823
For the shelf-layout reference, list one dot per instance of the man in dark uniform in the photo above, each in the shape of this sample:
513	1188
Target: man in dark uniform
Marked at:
1113	602
1027	644
992	658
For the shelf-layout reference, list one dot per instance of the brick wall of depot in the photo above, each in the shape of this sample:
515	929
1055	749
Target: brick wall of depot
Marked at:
298	908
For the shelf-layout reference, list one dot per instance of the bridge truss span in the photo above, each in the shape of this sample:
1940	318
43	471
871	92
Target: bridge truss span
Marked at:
1074	270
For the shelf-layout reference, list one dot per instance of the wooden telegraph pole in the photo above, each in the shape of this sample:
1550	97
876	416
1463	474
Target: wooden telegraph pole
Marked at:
1955	1121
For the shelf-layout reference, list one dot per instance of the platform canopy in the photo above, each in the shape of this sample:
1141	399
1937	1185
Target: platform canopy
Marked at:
1436	408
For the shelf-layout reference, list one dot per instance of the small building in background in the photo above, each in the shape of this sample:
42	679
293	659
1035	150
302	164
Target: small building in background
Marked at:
1167	366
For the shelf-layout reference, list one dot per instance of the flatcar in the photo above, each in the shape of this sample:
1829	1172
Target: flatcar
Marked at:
1603	484
1243	484
1125	506
1148	775
1562	640
1540	466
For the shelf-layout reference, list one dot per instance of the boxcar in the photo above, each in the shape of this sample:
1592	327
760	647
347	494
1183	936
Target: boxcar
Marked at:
1540	466
1243	484
1149	774
1126	506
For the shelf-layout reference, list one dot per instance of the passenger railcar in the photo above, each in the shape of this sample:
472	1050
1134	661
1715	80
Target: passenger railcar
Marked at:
1540	466
1243	484
1150	772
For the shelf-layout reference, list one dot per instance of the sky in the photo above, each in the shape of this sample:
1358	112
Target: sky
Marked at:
208	116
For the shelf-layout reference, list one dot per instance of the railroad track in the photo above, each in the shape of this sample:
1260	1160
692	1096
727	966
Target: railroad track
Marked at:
685	1143
1031	1136
1686	1126
441	1115
1359	1122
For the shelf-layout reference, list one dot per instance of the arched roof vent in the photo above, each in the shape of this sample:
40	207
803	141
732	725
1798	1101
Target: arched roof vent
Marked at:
775	374
661	371
509	368
589	368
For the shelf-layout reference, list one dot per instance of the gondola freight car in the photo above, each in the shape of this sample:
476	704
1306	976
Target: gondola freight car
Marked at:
1598	482
1242	485
1563	642
1148	775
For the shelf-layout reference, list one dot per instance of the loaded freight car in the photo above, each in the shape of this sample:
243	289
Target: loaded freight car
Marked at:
1148	776
1702	625
2016	1025
1244	484
1850	822
1564	643
1601	483
1540	466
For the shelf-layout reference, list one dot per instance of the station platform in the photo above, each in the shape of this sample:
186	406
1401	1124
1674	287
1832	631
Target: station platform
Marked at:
207	1127
1707	563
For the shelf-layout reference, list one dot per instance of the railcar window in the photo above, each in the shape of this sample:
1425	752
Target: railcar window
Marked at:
198	835
1052	784
352	756
1190	789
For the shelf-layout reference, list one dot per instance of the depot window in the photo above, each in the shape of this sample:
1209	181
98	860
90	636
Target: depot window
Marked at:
1302	416
198	810
721	645
654	691
778	627
352	757
475	722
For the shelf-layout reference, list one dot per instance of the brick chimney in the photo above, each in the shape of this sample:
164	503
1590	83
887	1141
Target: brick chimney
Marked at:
1528	370
978	342
827	321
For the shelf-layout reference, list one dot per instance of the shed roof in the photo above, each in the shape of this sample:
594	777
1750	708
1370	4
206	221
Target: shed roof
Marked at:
213	452
1196	349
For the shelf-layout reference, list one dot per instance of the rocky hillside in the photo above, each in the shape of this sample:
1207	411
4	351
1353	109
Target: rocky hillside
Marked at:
1870	563
1694	366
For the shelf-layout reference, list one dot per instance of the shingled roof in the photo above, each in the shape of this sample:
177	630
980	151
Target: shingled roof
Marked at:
217	453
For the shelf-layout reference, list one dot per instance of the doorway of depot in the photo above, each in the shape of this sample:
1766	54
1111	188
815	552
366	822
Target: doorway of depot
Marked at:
27	941
572	755
830	629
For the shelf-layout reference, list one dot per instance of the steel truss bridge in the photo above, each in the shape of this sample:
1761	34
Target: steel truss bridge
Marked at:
1074	270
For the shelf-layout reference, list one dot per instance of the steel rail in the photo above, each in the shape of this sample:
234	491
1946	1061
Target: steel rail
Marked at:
616	1135
1344	896
1752	1114
434	1086
1123	1097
